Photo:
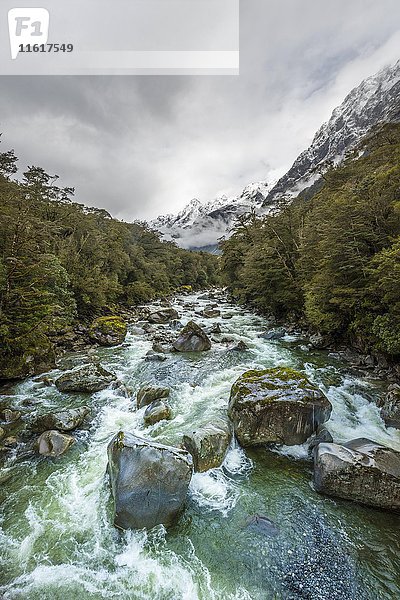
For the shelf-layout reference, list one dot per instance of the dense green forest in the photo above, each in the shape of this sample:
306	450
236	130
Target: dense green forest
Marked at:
61	261
330	258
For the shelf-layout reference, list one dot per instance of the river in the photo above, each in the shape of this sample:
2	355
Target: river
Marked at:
57	538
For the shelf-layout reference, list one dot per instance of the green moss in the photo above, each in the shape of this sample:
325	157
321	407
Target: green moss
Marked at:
107	324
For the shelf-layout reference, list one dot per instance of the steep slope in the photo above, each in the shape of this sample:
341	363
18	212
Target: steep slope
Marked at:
375	100
201	225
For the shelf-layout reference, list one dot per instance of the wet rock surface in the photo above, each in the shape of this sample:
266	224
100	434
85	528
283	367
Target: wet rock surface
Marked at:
149	393
157	411
90	378
65	420
208	445
149	481
53	443
276	405
163	315
360	470
192	338
390	407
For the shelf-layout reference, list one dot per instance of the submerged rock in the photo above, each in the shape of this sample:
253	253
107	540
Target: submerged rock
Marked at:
208	445
54	443
192	338
108	331
90	378
148	393
211	313
390	407
65	420
152	356
276	405
240	347
163	316
360	470
156	411
149	481
262	525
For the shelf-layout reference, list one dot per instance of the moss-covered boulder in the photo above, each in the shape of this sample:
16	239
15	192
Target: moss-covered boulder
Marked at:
108	331
208	444
88	379
149	481
36	355
276	405
192	338
360	470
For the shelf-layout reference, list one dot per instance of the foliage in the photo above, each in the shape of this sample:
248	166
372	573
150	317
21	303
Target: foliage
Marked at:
332	257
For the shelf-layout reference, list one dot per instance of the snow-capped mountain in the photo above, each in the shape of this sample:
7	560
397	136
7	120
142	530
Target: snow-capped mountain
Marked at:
201	225
375	100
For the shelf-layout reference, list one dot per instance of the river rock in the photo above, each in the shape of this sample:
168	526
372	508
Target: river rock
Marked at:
149	393
64	420
240	347
156	411
390	407
360	470
149	481
108	331
9	416
90	378
208	445
163	315
211	313
274	334
54	443
276	405
2	433
192	338
152	356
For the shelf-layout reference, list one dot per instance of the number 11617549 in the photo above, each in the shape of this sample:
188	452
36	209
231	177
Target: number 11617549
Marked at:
46	48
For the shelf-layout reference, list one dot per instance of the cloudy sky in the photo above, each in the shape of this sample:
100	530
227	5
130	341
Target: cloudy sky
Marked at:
143	146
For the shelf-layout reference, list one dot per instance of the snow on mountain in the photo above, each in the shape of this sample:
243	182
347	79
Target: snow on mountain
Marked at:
375	100
201	225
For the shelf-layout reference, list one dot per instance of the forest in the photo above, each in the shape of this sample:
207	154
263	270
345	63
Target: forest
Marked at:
61	262
330	258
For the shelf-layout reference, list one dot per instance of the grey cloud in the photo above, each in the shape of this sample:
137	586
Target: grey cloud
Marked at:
140	146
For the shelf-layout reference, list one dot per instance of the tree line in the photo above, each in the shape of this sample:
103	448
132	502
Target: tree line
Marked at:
331	257
61	261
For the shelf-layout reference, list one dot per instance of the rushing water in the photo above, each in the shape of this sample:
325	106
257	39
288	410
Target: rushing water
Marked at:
57	540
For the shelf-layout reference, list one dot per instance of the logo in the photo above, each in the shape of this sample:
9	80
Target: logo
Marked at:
27	26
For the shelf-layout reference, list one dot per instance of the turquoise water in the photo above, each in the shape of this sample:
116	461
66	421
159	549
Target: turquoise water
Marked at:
57	540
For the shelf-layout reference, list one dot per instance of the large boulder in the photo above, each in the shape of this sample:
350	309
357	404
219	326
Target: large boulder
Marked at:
156	411
149	481
390	407
108	331
54	443
148	393
163	315
192	338
211	313
208	445
360	470
64	420
90	378
276	405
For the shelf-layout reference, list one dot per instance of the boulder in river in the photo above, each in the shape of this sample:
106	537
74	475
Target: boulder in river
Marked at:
211	313
64	420
274	334
208	445
276	405
149	393
156	411
390	407
7	415
360	470
192	338
54	443
241	346
90	378
108	331
163	315
149	481
152	356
